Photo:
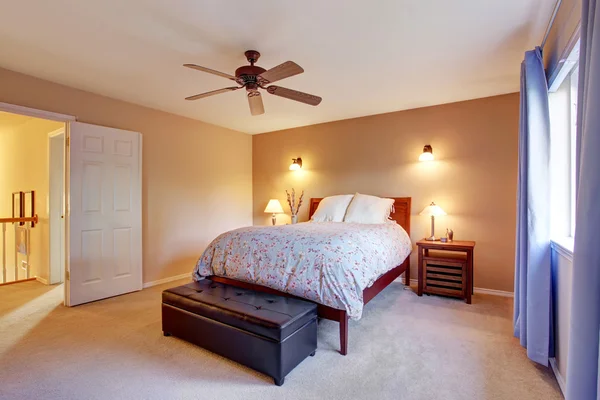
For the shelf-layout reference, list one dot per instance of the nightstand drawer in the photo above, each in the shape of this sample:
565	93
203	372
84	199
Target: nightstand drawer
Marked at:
444	276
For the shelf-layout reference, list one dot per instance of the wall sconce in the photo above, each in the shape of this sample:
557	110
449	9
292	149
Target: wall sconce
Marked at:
296	164
427	154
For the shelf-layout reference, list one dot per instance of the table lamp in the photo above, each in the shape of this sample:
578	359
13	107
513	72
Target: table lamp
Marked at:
274	207
433	211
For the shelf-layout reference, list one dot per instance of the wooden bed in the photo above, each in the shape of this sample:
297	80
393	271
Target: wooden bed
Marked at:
401	215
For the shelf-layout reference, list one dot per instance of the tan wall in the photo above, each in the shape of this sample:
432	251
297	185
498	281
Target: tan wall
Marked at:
24	167
473	178
196	177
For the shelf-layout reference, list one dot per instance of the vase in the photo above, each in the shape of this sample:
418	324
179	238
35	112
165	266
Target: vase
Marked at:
294	219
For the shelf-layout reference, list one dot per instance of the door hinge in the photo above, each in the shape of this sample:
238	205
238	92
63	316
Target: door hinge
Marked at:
67	275
68	141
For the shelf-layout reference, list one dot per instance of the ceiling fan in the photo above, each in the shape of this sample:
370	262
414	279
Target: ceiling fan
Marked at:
253	77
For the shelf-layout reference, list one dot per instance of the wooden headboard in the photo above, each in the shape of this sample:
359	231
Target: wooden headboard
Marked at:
400	214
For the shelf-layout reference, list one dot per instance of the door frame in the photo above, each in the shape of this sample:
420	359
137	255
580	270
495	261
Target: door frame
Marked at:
56	213
33	112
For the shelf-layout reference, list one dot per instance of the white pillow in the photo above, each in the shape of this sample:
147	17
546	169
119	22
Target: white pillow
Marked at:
332	208
366	209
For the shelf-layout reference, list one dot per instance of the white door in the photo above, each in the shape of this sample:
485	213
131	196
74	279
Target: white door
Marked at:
105	213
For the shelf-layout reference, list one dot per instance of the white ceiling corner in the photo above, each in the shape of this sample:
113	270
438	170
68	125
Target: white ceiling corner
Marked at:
362	57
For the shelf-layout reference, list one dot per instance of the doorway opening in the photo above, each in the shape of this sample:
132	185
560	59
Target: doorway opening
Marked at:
88	211
32	199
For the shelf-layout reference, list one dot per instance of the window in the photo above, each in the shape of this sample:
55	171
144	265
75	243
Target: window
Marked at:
574	80
563	133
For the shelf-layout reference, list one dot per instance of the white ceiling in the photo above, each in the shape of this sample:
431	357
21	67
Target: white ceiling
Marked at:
363	57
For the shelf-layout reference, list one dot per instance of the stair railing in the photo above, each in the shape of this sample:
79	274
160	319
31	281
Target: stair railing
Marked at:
21	220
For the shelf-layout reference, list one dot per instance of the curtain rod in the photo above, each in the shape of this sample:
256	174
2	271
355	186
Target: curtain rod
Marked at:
551	22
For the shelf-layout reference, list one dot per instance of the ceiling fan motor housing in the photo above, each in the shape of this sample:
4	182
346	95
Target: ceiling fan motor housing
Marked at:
248	74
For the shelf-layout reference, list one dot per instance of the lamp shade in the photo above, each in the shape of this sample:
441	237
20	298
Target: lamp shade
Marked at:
433	210
427	154
274	207
296	164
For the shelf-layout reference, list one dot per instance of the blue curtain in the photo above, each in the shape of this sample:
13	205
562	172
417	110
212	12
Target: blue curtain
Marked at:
584	332
532	262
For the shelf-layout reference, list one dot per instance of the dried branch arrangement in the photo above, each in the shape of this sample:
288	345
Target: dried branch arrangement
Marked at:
291	199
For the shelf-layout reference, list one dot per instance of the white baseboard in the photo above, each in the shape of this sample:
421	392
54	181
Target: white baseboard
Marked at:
559	378
477	290
146	285
42	280
167	280
493	292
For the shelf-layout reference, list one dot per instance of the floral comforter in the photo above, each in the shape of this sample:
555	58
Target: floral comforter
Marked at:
330	263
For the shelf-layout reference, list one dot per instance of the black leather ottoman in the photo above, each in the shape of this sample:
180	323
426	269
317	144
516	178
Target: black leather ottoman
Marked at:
271	334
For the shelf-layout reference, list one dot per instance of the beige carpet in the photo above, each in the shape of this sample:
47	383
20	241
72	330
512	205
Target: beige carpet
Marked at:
405	347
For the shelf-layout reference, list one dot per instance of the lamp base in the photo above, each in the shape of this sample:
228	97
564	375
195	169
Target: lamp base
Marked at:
432	239
274	219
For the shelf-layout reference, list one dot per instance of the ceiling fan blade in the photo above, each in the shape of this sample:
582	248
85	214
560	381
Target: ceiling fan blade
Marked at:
295	95
282	71
203	95
210	71
255	102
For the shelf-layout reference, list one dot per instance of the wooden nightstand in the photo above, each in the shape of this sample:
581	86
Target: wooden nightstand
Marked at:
446	268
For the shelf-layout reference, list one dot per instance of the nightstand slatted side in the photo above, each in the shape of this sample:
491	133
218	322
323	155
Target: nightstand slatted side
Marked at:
457	278
446	268
444	277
